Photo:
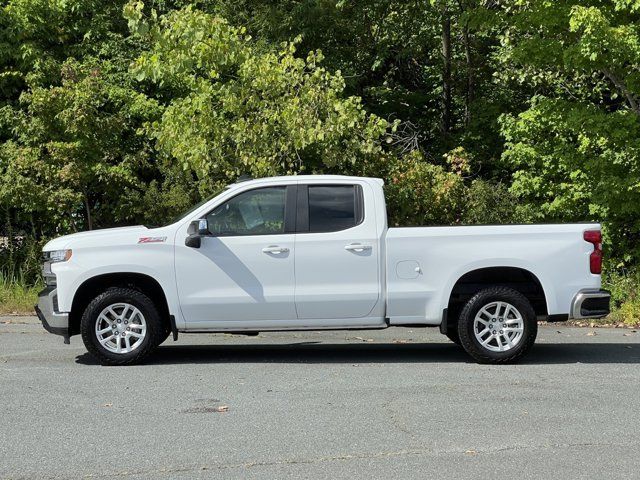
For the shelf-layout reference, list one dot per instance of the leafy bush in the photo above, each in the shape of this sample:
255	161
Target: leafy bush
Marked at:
490	203
625	295
420	193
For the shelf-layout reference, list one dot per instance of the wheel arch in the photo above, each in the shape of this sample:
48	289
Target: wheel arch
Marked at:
521	279
93	286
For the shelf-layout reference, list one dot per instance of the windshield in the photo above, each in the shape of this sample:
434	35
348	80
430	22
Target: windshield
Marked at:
190	210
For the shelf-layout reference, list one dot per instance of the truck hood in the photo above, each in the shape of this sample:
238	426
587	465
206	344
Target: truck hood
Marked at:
67	241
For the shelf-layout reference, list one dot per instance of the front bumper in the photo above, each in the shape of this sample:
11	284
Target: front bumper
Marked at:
590	303
47	311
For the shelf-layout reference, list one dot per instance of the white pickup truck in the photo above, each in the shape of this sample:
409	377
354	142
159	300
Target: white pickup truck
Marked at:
315	252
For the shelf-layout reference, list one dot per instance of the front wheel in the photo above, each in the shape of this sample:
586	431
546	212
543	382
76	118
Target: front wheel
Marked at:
121	326
497	325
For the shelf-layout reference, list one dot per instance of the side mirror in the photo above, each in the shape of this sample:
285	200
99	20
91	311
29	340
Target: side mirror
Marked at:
196	230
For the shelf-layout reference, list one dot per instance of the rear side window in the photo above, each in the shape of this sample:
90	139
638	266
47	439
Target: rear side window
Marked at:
334	207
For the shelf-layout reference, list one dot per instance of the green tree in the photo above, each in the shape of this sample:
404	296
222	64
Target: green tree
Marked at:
575	151
76	157
238	108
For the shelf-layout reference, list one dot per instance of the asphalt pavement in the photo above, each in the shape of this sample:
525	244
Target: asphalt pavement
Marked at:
392	404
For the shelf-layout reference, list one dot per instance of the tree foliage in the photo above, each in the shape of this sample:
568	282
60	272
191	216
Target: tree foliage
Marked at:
472	111
238	109
575	150
76	154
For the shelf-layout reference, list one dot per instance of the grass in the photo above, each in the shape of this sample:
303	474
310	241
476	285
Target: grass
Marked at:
16	297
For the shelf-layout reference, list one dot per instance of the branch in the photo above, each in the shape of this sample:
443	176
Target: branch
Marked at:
633	102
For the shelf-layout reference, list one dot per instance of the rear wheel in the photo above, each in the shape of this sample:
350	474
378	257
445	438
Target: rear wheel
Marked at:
121	326
497	325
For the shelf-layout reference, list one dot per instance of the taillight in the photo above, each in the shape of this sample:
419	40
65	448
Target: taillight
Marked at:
595	259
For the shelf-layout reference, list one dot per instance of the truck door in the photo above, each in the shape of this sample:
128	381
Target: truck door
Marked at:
337	252
243	274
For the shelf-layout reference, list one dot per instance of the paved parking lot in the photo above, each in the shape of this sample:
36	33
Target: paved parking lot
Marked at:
393	404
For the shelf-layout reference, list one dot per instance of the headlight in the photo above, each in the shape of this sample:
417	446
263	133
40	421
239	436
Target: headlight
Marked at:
55	256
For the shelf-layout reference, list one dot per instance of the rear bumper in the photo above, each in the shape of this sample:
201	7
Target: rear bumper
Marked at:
590	303
46	309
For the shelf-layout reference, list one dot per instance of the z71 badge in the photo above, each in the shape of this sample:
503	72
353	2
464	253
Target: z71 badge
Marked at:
151	239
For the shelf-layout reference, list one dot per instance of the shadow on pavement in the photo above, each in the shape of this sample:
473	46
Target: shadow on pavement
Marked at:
307	352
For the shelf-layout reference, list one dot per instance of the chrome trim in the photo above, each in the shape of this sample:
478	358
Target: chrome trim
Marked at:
47	274
46	268
581	296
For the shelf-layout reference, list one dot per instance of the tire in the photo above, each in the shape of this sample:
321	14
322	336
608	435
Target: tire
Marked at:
124	344
491	336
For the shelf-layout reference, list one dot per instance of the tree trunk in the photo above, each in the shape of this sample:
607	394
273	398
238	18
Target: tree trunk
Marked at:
10	239
446	71
34	233
620	85
469	94
88	211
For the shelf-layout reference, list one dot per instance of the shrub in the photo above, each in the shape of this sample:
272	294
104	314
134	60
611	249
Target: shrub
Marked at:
489	203
421	193
625	295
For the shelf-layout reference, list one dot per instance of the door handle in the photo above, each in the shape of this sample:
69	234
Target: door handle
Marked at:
357	247
275	249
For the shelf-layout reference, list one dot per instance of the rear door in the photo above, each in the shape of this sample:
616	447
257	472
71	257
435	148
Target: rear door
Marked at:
337	252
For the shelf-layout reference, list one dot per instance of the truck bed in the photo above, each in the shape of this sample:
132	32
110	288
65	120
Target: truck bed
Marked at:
423	264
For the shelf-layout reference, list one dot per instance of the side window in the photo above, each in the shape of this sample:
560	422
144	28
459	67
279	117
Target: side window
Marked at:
333	207
255	212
